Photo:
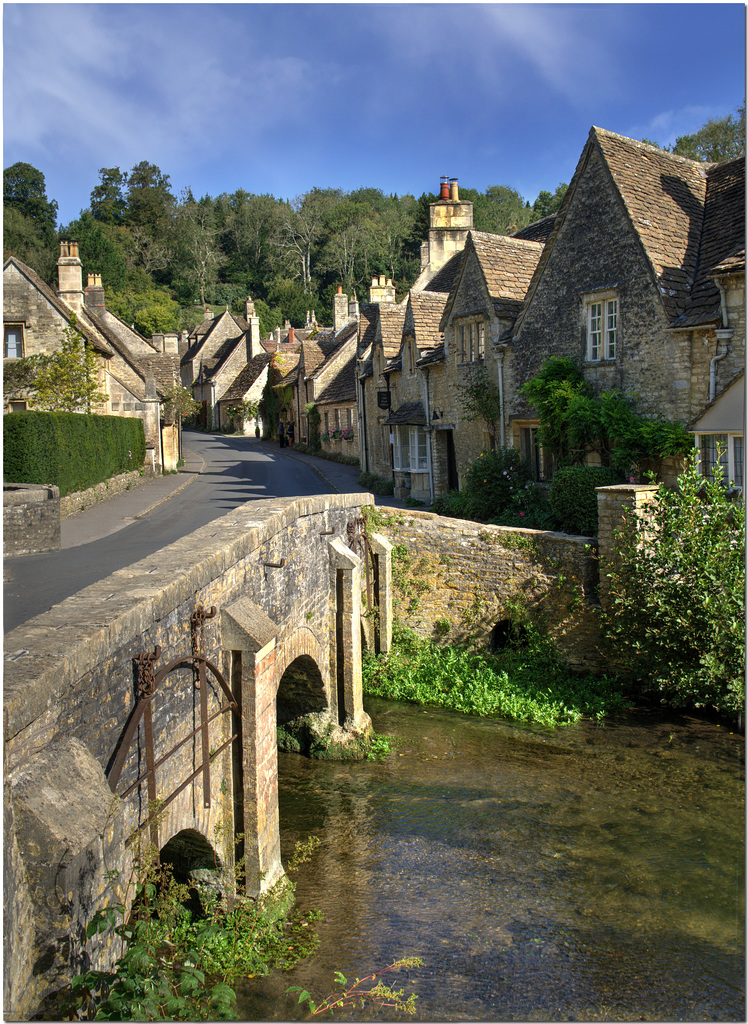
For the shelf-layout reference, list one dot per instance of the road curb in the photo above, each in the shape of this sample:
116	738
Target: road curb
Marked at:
156	504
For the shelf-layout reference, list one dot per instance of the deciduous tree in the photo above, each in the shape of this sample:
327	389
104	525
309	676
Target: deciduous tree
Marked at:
69	380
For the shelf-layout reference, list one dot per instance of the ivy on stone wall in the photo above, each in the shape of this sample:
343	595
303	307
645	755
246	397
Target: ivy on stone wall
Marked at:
575	422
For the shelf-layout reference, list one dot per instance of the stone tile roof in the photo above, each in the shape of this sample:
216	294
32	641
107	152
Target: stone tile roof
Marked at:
164	367
200	334
391	321
538	231
431	356
316	351
367	324
507	263
408	413
423	316
446	276
723	241
245	379
342	387
664	196
92	336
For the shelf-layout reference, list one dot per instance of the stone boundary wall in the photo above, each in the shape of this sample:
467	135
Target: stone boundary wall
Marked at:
76	502
462	579
31	518
69	688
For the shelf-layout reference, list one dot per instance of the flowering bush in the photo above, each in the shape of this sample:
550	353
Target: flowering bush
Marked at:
347	434
491	480
325	436
676	614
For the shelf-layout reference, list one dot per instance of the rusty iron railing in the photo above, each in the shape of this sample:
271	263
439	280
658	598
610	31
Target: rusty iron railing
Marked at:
147	686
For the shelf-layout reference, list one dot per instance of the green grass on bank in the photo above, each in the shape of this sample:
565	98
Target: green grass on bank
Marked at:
524	683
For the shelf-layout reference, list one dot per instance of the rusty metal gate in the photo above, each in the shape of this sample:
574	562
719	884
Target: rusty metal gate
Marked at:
147	686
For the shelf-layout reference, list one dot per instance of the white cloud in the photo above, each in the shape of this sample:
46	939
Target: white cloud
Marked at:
120	83
666	126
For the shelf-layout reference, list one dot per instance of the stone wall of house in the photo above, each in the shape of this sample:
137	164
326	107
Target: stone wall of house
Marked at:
31	518
463	579
44	326
597	250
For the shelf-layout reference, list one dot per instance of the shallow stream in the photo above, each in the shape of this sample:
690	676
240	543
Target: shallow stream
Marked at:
591	873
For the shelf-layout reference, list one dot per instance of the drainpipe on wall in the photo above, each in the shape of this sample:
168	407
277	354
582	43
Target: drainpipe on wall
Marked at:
723	335
362	431
501	351
430	431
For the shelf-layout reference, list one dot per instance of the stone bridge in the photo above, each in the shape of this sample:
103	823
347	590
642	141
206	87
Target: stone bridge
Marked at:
144	711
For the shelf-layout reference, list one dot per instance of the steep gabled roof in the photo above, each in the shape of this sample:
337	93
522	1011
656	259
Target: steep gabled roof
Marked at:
391	320
245	379
92	336
445	277
422	318
342	386
723	241
664	196
200	335
507	265
665	199
537	231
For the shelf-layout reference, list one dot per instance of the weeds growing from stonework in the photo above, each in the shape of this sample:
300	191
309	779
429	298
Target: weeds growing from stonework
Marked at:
526	683
177	964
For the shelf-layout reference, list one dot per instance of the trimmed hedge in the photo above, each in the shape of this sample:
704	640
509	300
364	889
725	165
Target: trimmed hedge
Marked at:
573	499
72	450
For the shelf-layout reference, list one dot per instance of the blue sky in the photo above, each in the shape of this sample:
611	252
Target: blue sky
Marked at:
281	98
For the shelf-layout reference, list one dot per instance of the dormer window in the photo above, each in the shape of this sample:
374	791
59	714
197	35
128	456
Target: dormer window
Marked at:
602	327
471	342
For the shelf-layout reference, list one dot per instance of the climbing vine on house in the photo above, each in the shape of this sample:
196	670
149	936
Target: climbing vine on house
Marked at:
575	422
275	400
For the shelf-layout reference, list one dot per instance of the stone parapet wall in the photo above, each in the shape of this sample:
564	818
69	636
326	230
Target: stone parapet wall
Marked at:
613	504
463	579
70	679
31	518
76	502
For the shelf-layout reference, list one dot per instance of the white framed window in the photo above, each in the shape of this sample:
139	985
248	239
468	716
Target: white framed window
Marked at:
721	457
410	449
602	328
13	341
481	341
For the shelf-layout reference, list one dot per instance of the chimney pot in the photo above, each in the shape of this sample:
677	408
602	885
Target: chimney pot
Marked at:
291	336
340	289
444	188
454	192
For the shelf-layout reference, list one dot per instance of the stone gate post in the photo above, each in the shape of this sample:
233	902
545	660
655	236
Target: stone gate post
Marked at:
612	505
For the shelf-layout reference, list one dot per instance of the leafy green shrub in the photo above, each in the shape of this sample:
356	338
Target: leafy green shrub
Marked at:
71	450
491	480
454	504
573	500
676	613
376	484
528	508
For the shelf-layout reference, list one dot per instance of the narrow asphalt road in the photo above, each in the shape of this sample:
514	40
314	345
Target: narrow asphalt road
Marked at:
225	472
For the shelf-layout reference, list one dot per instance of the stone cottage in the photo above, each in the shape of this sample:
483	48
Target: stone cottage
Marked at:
641	284
135	374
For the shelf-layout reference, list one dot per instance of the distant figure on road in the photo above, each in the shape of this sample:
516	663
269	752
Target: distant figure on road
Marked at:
290	434
281	435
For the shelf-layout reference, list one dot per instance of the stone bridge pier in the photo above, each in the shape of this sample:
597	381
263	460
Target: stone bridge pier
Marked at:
143	715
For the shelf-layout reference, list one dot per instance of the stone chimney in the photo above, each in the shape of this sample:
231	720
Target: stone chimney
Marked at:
70	276
353	311
291	336
450	220
382	289
277	338
253	334
171	344
94	295
339	310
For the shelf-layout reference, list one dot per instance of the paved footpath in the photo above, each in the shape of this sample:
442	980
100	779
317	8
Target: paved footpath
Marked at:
119	511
